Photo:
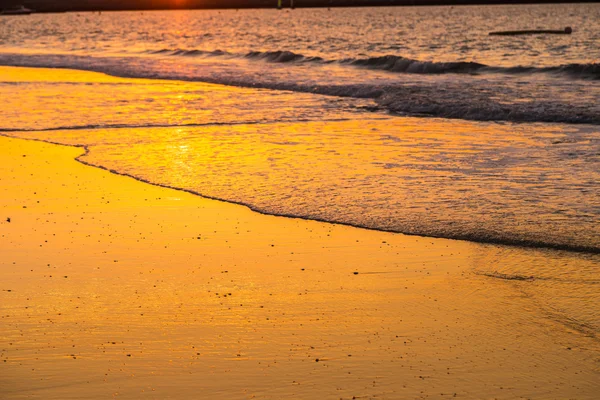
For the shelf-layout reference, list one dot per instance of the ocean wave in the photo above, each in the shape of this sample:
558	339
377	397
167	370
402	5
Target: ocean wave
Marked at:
479	106
282	57
189	53
406	65
589	71
463	99
399	64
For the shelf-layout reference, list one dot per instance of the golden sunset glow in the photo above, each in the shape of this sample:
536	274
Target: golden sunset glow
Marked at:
299	203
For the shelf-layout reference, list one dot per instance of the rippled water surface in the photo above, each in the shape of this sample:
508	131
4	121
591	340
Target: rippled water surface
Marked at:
434	61
423	33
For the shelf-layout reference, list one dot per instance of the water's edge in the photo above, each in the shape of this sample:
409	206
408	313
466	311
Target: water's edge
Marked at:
515	243
422	100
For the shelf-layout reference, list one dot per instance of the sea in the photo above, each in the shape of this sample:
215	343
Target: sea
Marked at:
405	119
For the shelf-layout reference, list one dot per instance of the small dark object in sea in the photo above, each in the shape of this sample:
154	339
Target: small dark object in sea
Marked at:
566	31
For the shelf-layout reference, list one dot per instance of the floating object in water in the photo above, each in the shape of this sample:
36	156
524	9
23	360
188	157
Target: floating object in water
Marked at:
566	31
18	10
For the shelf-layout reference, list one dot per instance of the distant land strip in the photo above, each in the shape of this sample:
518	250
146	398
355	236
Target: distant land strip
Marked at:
128	5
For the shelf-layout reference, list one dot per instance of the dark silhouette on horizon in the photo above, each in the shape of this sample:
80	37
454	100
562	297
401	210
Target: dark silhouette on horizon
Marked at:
115	5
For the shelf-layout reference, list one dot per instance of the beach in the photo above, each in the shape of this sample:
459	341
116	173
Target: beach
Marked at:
359	203
115	287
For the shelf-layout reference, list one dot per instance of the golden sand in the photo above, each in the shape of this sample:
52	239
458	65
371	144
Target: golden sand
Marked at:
113	287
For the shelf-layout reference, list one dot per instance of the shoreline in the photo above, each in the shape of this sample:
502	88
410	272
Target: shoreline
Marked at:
516	244
82	75
413	320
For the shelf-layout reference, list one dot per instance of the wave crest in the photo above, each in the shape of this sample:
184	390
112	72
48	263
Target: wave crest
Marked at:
281	56
579	71
400	64
467	99
189	53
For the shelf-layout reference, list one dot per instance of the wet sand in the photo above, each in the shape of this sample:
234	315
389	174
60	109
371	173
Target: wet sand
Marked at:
113	287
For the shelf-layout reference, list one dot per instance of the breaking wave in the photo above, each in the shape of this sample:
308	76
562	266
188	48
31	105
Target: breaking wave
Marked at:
582	71
283	57
399	64
190	53
468	98
406	65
